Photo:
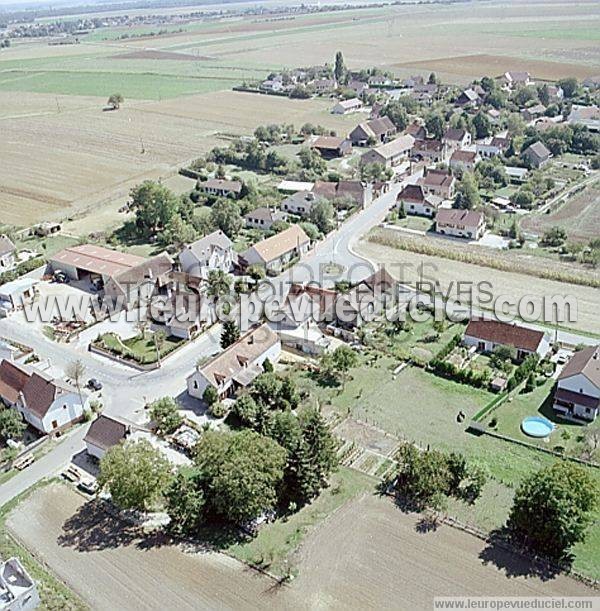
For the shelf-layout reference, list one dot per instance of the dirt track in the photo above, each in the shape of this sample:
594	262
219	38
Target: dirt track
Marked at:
368	555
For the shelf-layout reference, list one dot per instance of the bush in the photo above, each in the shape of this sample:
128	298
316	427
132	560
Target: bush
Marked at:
218	409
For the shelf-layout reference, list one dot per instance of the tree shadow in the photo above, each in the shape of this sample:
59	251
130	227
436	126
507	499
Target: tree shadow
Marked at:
513	563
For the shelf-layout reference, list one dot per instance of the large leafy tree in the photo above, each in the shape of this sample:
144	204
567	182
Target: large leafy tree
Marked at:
12	425
396	111
230	333
434	122
240	473
225	215
165	413
467	196
135	473
336	365
154	206
553	507
185	501
321	214
218	283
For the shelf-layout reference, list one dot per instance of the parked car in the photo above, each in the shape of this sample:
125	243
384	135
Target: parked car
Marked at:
72	474
94	384
88	485
23	462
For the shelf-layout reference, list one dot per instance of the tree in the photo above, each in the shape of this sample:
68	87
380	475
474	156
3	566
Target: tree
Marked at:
165	413
268	366
339	72
218	284
240	473
375	172
321	214
396	111
569	86
185	502
225	215
432	80
12	425
311	160
115	100
178	232
553	237
552	508
401	211
336	365
210	396
320	447
482	125
76	371
467	196
311	230
434	123
275	392
154	206
230	334
159	341
135	473
247	411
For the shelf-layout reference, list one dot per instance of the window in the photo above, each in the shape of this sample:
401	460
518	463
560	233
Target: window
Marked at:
195	385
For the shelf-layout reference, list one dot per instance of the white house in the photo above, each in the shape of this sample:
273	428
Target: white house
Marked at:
345	107
46	404
577	394
486	335
221	187
13	295
7	253
455	139
276	252
391	153
212	252
263	218
18	591
238	365
416	201
103	434
460	223
299	203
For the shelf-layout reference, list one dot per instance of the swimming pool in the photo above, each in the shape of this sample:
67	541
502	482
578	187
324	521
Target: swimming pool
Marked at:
537	426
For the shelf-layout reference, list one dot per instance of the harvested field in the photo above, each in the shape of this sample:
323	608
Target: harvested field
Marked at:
155	54
92	157
369	555
352	560
112	567
579	216
406	264
481	63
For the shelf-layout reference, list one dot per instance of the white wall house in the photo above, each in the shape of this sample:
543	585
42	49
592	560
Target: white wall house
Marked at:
238	365
47	405
577	394
276	252
212	252
7	253
103	434
18	591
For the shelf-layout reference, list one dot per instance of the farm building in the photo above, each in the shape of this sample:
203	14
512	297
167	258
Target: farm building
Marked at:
330	147
345	107
373	131
537	154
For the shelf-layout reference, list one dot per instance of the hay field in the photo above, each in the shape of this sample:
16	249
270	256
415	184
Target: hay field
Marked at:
54	163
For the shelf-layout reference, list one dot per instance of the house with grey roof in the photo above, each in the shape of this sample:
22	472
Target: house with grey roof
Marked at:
537	154
104	433
263	218
212	252
373	131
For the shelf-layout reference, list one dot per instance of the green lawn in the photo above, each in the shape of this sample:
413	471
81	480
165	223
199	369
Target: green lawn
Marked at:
421	342
276	542
416	223
538	403
141	349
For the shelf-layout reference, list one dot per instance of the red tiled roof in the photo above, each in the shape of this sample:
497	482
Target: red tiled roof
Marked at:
504	333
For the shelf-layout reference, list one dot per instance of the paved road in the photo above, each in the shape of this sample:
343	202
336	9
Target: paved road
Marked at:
126	391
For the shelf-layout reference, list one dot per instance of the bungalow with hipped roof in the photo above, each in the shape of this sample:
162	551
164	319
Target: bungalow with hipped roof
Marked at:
330	147
468	224
300	203
486	335
212	252
47	404
390	154
492	146
221	187
238	365
374	131
577	393
415	200
276	252
513	79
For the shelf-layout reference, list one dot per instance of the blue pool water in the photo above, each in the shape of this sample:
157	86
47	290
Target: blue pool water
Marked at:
537	426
